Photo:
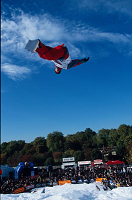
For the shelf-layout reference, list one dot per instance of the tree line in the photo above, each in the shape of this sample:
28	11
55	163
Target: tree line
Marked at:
84	145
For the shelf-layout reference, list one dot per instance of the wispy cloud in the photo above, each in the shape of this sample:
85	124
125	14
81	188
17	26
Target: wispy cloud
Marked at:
17	30
21	27
97	35
107	6
120	6
15	72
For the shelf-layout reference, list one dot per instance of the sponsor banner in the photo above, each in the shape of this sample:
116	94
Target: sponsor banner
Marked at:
98	162
38	185
0	171
85	181
68	159
84	163
43	184
100	179
19	190
29	187
36	176
49	184
63	182
16	176
32	173
74	182
55	183
79	181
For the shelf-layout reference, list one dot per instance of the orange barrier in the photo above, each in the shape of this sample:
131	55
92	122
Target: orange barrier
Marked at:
100	179
19	190
63	182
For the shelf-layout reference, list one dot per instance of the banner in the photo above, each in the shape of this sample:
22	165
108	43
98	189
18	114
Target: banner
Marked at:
32	173
36	176
100	179
19	190
68	159
84	163
98	162
38	185
63	182
29	187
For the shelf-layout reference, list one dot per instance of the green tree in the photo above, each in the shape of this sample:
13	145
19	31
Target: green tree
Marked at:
3	147
85	136
28	158
57	156
87	153
40	158
120	151
122	131
39	141
14	146
40	144
96	154
49	161
103	138
128	146
79	155
90	136
4	158
67	145
55	141
130	130
75	145
14	159
68	153
113	137
28	149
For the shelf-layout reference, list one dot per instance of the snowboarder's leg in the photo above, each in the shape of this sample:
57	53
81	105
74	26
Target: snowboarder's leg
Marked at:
76	62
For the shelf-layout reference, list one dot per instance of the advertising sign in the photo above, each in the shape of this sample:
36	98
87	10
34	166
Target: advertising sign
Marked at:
29	187
63	182
19	190
84	163
68	159
32	173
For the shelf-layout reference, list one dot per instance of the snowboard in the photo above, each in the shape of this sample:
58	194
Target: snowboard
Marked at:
32	45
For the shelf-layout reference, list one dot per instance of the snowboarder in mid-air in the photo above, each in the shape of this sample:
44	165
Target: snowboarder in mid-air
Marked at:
59	55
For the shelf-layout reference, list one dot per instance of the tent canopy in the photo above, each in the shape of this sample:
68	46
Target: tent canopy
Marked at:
98	162
115	162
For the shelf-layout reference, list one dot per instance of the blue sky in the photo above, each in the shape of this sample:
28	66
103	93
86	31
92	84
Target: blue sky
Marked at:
98	94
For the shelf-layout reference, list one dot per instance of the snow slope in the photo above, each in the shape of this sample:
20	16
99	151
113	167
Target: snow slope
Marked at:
73	192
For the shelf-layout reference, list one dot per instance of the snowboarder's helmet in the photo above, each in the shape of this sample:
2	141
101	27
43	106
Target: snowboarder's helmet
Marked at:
58	71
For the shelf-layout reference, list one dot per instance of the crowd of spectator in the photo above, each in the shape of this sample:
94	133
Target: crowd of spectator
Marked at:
113	177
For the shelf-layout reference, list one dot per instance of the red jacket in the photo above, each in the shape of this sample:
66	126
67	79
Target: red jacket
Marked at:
50	53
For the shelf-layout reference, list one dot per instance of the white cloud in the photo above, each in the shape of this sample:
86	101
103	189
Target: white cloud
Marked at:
107	6
120	6
15	72
111	37
17	30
